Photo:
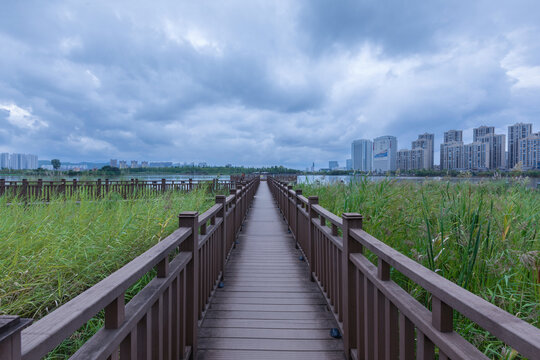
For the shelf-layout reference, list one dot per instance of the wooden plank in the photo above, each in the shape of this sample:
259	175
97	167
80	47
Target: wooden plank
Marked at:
270	344
269	301
266	307
267	315
251	333
269	355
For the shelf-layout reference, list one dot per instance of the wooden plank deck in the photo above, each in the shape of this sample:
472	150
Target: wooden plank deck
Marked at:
269	308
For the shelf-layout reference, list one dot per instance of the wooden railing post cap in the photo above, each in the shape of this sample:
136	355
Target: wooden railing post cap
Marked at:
10	325
313	199
233	191
188	214
298	191
352	216
220	198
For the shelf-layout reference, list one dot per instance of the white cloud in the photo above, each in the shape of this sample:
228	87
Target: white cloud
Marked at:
22	118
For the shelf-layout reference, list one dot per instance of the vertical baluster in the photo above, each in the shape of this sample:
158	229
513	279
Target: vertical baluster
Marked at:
369	328
313	200
144	337
128	346
358	306
392	331
425	350
157	329
175	320
406	338
166	344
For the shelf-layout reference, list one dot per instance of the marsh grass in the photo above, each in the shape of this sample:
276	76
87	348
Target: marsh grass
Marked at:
49	253
484	237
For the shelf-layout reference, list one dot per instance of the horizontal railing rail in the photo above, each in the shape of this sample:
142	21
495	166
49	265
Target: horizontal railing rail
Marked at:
378	319
46	190
161	320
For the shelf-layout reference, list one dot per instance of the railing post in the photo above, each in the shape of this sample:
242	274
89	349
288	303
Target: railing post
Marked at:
348	285
98	189
296	212
163	185
39	192
2	186
312	200
63	187
24	192
288	200
190	219
10	336
222	213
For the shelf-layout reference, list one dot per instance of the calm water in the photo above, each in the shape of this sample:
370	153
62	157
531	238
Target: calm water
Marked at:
533	182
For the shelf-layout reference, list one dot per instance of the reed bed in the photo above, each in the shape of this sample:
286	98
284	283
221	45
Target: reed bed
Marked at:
484	237
49	253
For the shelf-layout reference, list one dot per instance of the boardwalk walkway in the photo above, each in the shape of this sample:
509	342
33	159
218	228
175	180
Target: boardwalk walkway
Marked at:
268	309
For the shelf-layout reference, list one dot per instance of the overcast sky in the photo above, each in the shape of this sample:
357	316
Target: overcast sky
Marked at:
259	82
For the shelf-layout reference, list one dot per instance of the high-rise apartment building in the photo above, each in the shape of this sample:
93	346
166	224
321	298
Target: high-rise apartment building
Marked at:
412	159
476	156
113	163
516	132
4	161
348	164
497	149
529	152
384	153
333	164
453	135
482	131
427	142
134	164
361	155
452	155
452	150
18	161
122	164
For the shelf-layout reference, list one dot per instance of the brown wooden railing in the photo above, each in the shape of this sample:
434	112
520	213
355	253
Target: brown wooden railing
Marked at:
159	322
45	190
378	319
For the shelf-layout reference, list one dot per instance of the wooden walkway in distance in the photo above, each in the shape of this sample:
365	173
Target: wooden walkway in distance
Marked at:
268	308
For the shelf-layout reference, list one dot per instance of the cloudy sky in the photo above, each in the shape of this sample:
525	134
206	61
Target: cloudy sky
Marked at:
259	82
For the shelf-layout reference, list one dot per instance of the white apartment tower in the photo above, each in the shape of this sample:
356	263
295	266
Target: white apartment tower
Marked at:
361	155
384	153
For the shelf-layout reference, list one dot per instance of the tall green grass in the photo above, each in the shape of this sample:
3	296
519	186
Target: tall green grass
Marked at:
49	253
484	237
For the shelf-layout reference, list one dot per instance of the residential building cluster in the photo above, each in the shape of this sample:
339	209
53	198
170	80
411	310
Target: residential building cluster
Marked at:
134	164
18	161
486	152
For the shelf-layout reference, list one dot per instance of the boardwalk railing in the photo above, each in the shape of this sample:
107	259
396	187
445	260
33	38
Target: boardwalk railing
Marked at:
378	319
161	321
45	190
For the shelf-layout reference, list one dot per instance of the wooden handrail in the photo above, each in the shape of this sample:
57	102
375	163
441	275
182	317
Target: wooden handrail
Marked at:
498	322
51	330
368	305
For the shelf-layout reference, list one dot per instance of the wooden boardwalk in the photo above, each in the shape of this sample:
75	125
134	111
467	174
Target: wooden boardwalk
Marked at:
268	308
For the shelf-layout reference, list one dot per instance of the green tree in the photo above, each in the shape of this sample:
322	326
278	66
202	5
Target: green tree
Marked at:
56	164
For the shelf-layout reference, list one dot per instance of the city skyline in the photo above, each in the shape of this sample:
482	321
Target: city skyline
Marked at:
259	83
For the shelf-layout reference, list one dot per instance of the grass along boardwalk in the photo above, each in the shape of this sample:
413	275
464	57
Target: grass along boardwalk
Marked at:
268	308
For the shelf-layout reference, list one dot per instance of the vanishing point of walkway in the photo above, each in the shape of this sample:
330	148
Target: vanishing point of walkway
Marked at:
268	308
